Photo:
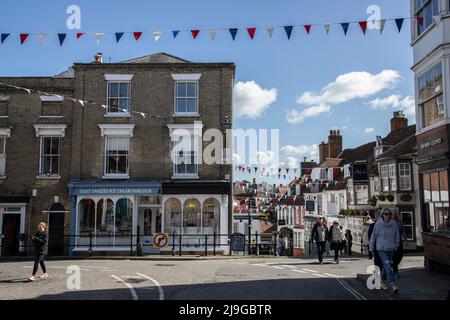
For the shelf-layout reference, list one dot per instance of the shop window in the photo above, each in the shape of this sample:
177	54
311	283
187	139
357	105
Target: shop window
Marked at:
435	186
408	224
172	216
211	216
191	215
86	214
124	217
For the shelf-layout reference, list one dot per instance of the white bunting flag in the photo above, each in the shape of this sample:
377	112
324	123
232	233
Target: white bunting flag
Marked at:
437	19
327	27
381	24
41	38
81	102
104	107
142	114
157	35
98	37
270	31
213	33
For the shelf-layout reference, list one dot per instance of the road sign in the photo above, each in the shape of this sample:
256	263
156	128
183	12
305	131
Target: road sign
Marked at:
160	240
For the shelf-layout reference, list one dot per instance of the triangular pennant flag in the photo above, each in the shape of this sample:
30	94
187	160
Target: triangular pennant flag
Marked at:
137	35
41	38
363	25
345	27
256	169
61	37
381	24
327	27
233	32
420	20
213	33
437	19
307	28
399	23
195	33
157	35
251	32
288	30
23	37
118	36
142	114
81	102
175	33
80	34
4	36
99	36
270	31
287	170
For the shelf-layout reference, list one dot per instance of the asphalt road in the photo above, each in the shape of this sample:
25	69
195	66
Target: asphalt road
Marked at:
254	279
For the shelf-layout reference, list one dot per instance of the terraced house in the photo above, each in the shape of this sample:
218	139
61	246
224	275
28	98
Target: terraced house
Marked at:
99	175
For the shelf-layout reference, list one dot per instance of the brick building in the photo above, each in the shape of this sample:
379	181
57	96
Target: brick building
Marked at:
108	172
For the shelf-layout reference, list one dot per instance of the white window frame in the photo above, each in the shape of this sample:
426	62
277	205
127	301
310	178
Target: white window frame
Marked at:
408	225
107	175
392	177
384	175
421	8
440	104
51	131
362	194
2	155
42	174
404	172
176	113
113	114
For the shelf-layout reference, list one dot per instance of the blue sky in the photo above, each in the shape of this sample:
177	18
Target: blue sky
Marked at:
306	63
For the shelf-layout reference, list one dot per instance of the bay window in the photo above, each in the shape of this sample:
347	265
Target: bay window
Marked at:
425	10
431	102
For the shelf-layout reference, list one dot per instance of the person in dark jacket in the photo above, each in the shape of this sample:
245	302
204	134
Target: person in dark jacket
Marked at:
40	250
349	238
319	235
336	238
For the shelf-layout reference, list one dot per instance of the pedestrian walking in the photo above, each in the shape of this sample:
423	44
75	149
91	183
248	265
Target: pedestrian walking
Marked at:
344	242
367	222
398	254
40	250
386	239
336	238
349	241
319	235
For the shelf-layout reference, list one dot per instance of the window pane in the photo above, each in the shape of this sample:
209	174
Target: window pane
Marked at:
122	164
211	216
432	112
55	146
86	216
105	229
191	89
172	216
113	104
181	105
46	164
113	89
191	105
181	89
443	183
435	186
124	214
191	214
47	145
123	90
54	165
426	187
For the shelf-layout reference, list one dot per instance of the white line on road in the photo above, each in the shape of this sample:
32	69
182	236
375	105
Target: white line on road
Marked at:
133	292
346	286
309	270
299	271
331	275
320	275
275	267
286	266
259	264
161	292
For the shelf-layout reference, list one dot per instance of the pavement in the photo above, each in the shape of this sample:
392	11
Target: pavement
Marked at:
220	278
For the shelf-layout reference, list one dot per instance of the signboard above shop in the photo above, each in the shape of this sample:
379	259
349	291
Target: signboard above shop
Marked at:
115	188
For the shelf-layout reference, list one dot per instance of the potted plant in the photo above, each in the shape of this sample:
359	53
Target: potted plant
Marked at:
406	197
382	197
390	197
373	201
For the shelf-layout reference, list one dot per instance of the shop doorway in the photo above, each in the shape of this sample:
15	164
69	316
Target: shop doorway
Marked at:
56	216
10	234
286	242
149	222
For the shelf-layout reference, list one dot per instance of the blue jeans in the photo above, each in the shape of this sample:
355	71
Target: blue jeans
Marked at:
386	259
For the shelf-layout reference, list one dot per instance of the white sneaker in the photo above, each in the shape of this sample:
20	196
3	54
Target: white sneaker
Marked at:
44	275
383	286
31	278
394	289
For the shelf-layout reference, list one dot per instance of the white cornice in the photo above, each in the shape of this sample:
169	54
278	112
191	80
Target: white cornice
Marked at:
186	76
125	130
51	130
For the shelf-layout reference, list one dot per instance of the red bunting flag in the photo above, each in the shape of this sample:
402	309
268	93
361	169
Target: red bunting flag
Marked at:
287	170
80	34
420	20
137	35
195	33
251	32
23	37
307	28
363	25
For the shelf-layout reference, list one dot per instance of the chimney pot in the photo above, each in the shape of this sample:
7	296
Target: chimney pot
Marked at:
98	58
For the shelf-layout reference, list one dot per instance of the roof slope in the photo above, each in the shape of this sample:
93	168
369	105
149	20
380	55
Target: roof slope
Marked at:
160	57
405	147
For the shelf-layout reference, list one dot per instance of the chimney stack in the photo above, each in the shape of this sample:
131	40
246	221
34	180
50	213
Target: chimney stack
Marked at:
398	121
334	143
323	151
98	58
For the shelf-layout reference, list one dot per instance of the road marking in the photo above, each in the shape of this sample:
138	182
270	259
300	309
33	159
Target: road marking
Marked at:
65	268
160	289
346	286
309	270
331	275
286	266
299	271
259	264
275	267
133	292
320	275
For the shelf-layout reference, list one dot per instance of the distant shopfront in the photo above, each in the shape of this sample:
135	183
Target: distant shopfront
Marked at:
107	216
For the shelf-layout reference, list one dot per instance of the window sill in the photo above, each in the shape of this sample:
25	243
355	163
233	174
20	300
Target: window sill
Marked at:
118	115
186	115
51	177
424	32
433	126
185	176
116	176
4	117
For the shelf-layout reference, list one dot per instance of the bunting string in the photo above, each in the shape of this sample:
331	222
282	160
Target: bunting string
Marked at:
233	31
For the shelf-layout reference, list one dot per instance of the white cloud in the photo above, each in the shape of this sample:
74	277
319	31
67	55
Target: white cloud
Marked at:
265	158
251	101
368	130
297	116
290	162
302	150
346	87
236	158
350	86
396	101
